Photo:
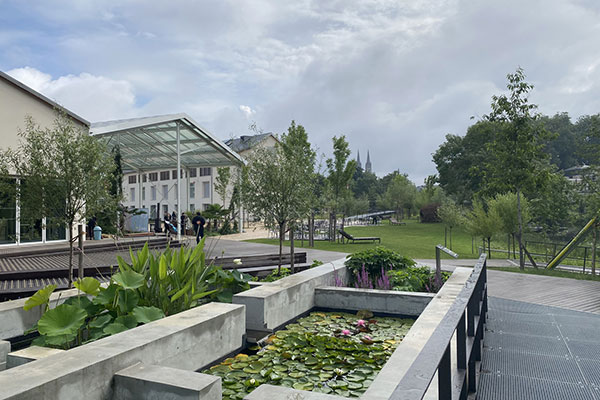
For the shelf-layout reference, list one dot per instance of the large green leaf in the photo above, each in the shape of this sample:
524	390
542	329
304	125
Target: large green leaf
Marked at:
128	279
88	285
40	297
128	299
101	321
63	320
106	296
143	315
114	328
128	320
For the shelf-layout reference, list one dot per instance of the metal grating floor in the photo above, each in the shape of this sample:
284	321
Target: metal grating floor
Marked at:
536	352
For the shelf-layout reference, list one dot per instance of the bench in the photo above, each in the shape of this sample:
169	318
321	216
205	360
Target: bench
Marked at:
349	238
394	221
260	260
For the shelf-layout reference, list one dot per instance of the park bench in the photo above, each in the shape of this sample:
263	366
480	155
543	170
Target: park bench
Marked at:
349	238
255	264
394	221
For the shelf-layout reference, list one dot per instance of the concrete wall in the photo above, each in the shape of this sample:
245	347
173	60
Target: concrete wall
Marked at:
410	304
271	305
4	350
14	320
189	340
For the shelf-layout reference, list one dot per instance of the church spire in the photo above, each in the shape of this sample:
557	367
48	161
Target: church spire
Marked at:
368	163
358	159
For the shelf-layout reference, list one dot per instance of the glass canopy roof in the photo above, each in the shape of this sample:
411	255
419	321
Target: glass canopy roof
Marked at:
150	143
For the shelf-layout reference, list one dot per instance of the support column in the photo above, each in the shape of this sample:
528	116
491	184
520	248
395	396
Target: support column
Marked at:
178	185
241	209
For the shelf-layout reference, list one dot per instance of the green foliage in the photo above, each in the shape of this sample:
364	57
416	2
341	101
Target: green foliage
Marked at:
222	183
340	170
505	206
415	279
147	289
374	260
400	195
275	275
40	298
336	353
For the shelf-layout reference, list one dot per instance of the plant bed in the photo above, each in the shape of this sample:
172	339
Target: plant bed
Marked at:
325	352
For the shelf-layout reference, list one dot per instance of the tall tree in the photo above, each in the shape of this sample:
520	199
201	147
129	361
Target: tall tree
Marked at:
222	183
278	181
65	176
451	216
483	223
340	174
505	205
517	161
400	195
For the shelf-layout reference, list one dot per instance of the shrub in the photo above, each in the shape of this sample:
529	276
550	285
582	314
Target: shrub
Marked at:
415	279
375	261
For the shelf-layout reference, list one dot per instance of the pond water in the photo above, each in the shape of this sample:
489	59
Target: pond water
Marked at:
326	352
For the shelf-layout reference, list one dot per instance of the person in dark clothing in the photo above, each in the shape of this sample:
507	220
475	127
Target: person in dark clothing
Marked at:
198	223
183	222
90	226
174	218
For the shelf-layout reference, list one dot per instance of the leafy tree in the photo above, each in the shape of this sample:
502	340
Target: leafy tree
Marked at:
340	174
65	175
517	161
562	147
505	205
483	223
400	195
278	181
451	216
222	183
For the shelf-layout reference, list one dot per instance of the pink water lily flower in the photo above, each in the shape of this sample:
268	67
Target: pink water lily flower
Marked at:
361	323
367	337
345	332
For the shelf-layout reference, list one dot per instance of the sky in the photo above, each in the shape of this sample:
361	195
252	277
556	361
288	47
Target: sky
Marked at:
394	77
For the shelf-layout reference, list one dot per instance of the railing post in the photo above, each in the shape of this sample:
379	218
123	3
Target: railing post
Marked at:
445	376
461	344
471	316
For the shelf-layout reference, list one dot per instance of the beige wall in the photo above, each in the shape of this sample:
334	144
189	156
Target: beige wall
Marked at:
15	105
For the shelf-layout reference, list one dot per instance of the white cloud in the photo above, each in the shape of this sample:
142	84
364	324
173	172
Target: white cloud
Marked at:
247	111
95	98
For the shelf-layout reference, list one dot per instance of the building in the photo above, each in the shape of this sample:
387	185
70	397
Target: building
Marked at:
19	101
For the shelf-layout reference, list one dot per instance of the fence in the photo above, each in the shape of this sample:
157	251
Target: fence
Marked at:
470	306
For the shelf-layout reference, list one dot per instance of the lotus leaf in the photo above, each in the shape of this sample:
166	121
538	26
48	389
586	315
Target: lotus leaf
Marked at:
64	320
128	300
40	297
88	285
101	321
128	320
106	296
114	328
143	314
128	279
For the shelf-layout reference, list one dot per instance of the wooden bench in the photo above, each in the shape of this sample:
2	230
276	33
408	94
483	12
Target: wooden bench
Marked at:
349	238
260	260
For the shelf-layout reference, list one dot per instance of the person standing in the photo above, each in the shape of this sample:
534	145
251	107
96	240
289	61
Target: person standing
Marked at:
198	223
91	225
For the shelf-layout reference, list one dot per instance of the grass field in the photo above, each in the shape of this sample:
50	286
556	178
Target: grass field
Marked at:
414	240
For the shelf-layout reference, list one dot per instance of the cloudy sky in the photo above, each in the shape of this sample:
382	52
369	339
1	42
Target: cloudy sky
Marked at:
393	76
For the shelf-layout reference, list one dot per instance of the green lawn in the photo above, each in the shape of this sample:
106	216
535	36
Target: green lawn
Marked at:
414	240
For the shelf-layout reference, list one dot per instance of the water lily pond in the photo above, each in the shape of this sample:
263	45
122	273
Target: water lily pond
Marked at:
326	352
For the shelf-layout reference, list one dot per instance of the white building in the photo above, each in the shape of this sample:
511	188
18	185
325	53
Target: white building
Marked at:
17	102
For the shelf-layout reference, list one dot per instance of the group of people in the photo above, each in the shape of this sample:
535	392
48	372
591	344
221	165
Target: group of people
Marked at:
197	223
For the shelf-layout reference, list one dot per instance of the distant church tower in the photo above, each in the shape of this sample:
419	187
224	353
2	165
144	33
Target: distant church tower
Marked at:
368	163
358	160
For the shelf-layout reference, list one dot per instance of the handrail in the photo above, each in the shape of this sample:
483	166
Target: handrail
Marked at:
470	306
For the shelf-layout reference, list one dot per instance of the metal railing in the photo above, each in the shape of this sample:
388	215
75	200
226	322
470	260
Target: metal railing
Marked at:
456	378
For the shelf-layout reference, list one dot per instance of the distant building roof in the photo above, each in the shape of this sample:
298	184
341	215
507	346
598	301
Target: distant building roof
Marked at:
40	96
246	142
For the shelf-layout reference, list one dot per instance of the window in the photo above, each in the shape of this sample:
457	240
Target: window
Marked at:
192	207
132	194
193	172
174	174
205	206
165	192
192	190
153	193
164	176
143	194
153	176
206	171
165	208
144	178
206	189
153	211
132	179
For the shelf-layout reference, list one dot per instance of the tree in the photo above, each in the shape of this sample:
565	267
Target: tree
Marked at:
400	195
505	205
517	161
278	181
340	174
222	183
483	223
451	216
65	175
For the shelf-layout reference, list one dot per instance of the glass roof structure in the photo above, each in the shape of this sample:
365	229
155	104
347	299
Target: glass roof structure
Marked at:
153	143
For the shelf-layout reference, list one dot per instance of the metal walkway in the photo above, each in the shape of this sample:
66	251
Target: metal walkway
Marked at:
539	352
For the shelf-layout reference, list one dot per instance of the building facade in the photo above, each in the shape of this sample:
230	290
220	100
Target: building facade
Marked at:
18	102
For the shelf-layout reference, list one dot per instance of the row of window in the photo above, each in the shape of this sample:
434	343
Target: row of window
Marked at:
166	175
165	209
165	192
